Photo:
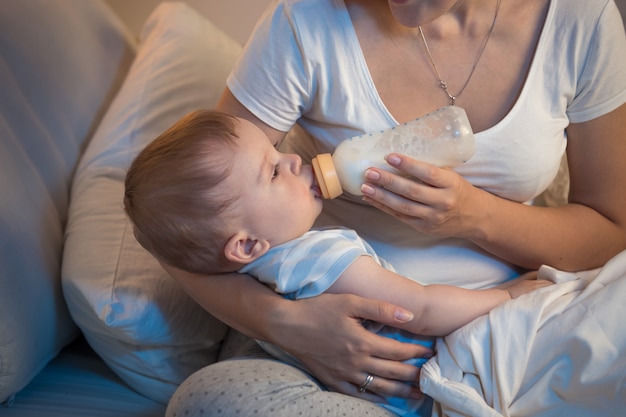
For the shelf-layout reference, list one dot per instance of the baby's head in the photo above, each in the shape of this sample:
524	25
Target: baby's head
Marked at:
173	195
211	194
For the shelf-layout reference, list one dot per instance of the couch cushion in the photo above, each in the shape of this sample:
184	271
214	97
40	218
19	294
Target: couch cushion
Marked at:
77	383
59	68
132	313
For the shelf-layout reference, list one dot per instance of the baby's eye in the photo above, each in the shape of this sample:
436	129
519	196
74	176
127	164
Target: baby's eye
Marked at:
275	173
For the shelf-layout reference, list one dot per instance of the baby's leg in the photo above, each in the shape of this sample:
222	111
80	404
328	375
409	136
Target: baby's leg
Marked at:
259	385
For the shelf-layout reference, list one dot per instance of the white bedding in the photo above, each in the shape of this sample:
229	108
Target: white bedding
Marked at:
560	351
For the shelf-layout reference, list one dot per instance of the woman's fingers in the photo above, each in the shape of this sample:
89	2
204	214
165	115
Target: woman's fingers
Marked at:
385	385
383	357
380	388
429	199
411	195
387	314
391	377
352	352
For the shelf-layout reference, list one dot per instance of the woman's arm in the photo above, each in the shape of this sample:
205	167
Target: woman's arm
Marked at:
581	235
324	332
229	104
438	309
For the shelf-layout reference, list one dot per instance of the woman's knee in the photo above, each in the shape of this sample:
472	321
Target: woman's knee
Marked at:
242	387
260	387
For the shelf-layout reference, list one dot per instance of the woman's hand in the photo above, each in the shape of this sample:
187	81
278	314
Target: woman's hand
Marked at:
323	332
432	200
326	334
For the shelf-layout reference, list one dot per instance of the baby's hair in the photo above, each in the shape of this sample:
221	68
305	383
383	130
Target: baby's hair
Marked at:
172	194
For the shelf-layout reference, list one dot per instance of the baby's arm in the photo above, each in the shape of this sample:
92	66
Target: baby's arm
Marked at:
438	309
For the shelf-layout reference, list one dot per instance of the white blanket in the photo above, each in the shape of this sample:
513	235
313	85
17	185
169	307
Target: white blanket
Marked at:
559	351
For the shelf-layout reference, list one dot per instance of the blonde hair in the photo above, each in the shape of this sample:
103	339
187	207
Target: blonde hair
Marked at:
172	195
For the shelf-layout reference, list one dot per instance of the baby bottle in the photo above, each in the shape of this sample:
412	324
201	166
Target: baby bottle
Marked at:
443	138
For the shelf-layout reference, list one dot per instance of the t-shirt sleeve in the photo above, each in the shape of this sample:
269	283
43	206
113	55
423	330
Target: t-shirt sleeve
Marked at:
601	85
272	68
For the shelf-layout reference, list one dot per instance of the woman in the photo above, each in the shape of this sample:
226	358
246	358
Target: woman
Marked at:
529	75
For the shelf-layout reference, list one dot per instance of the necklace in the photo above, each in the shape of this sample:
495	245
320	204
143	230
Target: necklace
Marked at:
442	83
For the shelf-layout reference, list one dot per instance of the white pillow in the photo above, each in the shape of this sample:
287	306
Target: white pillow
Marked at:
132	313
59	68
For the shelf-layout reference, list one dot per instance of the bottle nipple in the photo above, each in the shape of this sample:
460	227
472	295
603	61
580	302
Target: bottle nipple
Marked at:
326	175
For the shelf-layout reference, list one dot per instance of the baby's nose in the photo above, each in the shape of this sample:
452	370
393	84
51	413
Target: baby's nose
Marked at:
296	164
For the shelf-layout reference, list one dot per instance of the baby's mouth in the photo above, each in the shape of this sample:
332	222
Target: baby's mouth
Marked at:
315	187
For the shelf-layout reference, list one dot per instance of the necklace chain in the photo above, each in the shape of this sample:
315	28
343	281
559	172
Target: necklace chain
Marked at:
442	83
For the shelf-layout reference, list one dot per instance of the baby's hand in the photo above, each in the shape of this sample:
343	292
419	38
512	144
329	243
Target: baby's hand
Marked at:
525	284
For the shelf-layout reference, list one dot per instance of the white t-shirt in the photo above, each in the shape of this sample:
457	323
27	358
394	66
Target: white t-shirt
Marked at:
304	64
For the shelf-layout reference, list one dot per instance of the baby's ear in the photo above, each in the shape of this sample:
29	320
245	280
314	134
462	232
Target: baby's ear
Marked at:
243	249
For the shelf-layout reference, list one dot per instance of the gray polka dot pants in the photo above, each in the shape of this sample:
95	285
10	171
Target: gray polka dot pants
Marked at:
259	386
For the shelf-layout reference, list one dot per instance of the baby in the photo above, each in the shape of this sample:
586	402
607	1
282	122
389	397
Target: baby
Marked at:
211	195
